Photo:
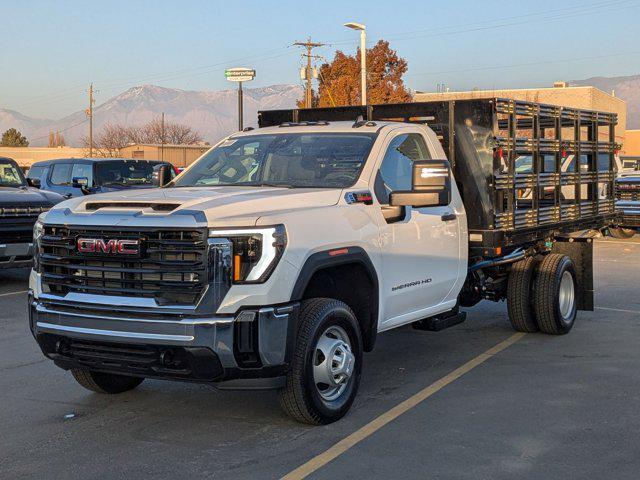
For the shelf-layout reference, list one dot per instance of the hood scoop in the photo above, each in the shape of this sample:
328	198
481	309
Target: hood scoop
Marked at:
155	206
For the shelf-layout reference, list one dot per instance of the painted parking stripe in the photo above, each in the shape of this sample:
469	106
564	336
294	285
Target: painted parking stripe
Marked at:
390	415
622	310
13	293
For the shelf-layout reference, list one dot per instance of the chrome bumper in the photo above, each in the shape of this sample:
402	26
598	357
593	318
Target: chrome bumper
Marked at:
223	335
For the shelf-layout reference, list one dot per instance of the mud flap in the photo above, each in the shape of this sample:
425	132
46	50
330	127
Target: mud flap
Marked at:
580	250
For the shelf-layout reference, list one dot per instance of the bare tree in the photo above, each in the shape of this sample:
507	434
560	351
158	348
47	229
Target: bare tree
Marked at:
109	140
112	137
172	133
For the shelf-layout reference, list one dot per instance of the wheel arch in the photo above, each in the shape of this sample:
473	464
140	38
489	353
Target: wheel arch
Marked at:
328	274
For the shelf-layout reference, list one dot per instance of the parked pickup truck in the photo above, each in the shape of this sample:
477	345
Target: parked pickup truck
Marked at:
20	206
628	204
277	258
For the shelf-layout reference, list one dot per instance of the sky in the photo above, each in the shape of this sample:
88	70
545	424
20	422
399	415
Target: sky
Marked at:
51	50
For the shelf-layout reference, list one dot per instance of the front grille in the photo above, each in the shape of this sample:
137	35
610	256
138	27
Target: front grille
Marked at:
629	196
628	191
17	228
172	266
23	211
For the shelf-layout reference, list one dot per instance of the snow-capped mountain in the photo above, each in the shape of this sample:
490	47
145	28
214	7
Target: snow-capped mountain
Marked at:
212	113
626	88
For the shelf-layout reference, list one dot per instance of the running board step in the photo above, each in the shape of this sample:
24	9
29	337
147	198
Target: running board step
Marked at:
440	322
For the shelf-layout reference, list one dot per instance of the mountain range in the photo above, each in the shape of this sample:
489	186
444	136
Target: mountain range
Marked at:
626	88
214	113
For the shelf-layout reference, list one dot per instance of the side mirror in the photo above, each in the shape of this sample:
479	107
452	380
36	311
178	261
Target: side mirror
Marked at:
164	175
79	182
34	182
431	186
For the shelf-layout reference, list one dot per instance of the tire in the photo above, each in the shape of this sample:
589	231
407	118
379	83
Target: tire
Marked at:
519	296
555	294
323	322
105	382
621	232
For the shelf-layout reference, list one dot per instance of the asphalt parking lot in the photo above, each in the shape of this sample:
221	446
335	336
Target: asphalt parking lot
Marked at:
541	408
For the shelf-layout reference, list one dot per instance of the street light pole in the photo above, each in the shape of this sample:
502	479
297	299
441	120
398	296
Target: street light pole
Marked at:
363	58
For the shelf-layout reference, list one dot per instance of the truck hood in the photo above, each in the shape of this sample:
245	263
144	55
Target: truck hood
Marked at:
221	206
27	196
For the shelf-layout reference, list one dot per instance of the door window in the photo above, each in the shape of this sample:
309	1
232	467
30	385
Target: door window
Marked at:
83	170
397	166
61	174
36	172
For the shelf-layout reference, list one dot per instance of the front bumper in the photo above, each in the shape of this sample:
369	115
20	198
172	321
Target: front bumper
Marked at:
16	255
255	343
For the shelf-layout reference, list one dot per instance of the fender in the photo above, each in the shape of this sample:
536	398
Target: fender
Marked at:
337	257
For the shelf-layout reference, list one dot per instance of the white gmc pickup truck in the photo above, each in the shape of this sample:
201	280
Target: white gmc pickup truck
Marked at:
274	261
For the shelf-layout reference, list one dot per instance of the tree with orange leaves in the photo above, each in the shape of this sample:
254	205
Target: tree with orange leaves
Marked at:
339	81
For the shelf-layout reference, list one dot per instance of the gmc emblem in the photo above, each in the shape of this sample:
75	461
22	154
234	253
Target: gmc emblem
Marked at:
110	247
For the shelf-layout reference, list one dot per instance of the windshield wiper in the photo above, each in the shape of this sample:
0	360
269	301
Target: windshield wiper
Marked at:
269	184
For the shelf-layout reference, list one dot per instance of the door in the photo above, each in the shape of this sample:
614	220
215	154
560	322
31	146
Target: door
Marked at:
420	246
82	171
60	179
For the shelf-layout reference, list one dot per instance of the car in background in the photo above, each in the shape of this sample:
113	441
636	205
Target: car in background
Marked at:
628	204
74	177
20	205
629	166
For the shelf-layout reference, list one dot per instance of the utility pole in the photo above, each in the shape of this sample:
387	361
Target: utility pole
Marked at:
90	115
162	139
308	75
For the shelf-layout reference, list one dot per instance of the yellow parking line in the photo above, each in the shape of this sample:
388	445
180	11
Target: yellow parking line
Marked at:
623	310
387	417
13	293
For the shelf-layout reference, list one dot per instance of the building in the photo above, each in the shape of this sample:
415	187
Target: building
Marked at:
177	155
25	156
586	98
631	145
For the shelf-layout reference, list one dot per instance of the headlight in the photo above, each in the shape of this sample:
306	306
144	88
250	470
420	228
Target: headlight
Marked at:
256	251
38	230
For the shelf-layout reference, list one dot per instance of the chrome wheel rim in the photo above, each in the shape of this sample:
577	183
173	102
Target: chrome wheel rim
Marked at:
333	363
566	295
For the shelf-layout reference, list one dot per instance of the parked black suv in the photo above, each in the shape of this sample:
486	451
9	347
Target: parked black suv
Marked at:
20	205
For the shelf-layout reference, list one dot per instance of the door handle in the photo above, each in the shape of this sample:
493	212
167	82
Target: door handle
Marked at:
447	217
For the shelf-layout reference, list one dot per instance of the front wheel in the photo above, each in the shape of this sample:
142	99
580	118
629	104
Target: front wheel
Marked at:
620	232
324	374
105	382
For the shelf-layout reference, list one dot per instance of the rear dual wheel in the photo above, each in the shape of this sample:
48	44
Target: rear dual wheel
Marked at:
541	294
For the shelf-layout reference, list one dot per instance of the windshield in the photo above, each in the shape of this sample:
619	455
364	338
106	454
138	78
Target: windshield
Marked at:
119	173
10	175
321	160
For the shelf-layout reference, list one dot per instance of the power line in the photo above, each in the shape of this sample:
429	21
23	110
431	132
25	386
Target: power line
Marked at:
164	76
548	15
60	131
528	64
